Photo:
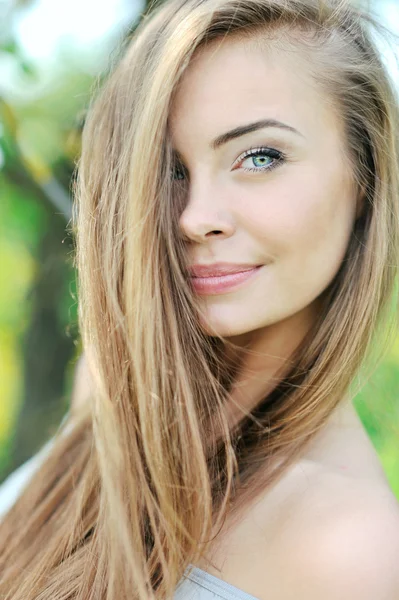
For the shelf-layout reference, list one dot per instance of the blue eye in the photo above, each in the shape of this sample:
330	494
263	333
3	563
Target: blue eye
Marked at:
262	159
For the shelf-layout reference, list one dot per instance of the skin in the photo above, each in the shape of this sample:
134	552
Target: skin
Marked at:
295	219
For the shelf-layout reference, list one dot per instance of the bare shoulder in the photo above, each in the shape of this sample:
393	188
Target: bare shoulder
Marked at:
318	535
345	542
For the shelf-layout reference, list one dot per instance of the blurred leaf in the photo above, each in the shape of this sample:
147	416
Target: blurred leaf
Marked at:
18	269
11	380
41	142
10	46
22	219
28	69
8	117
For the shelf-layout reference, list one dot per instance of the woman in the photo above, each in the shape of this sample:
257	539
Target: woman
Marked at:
237	247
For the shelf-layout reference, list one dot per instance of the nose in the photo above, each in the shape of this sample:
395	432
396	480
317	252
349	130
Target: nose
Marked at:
206	214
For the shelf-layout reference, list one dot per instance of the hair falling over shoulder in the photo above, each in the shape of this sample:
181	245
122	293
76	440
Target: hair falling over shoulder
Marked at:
132	493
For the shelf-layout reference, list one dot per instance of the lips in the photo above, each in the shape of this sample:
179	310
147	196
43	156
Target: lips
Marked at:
219	269
222	284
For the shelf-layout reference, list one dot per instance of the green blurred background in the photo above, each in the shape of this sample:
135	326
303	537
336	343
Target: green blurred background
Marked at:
52	53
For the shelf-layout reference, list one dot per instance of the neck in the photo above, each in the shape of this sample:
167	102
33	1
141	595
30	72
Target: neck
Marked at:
263	358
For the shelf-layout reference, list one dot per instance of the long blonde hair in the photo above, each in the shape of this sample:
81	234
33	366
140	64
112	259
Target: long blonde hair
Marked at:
131	495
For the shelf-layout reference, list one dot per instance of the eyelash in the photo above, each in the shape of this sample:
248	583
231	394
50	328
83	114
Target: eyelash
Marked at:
279	158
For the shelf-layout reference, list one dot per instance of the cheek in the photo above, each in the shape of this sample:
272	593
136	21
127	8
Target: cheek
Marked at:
305	226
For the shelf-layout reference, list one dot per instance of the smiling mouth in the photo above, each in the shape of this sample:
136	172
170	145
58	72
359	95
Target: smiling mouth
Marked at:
219	284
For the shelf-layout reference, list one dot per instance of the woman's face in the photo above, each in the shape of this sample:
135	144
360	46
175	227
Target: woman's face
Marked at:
289	208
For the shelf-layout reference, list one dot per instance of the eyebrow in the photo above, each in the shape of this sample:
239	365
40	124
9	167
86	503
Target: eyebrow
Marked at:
243	129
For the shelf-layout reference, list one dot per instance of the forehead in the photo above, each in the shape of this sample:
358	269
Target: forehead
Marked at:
238	81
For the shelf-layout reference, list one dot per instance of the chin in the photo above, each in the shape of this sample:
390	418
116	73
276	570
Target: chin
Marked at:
239	320
228	329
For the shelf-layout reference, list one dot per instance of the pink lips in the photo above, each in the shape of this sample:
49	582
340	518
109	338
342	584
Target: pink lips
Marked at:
223	277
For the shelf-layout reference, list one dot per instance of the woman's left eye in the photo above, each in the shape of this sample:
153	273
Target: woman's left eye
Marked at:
261	159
